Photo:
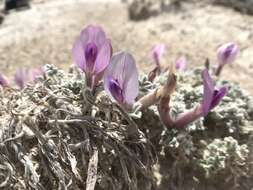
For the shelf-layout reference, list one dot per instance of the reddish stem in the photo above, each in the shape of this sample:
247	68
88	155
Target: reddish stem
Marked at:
182	120
218	70
188	117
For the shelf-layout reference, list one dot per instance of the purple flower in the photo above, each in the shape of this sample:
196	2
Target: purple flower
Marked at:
212	96
181	63
21	77
3	81
24	76
121	79
227	53
157	52
92	51
35	73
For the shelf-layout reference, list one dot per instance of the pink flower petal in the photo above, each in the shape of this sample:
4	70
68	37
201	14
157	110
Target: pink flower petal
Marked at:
218	95
93	34
103	58
92	51
157	52
123	70
227	53
211	97
78	55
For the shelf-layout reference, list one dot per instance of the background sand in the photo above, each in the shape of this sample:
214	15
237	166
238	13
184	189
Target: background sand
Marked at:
45	34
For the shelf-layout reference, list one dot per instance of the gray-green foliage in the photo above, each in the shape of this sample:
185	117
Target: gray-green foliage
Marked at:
220	142
235	111
223	154
55	125
54	134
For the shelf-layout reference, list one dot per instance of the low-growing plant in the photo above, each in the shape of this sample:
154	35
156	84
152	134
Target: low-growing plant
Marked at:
103	125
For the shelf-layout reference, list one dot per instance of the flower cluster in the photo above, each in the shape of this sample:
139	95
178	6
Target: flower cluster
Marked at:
211	98
92	53
22	77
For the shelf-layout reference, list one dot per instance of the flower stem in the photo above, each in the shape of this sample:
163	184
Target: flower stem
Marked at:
182	120
218	70
188	117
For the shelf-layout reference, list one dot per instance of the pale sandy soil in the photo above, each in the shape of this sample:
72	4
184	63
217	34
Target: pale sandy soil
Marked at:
45	34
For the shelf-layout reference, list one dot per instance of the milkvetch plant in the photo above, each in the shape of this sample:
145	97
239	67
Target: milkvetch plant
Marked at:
211	98
123	123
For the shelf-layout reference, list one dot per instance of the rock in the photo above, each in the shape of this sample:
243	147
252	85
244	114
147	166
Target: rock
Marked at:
1	18
245	6
16	4
143	9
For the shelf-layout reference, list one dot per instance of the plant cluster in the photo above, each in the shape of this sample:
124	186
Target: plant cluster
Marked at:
105	126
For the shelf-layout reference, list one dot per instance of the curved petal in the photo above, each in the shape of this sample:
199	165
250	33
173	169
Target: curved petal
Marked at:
123	69
218	96
78	54
208	91
103	58
116	68
111	73
131	83
116	90
107	79
227	53
93	34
